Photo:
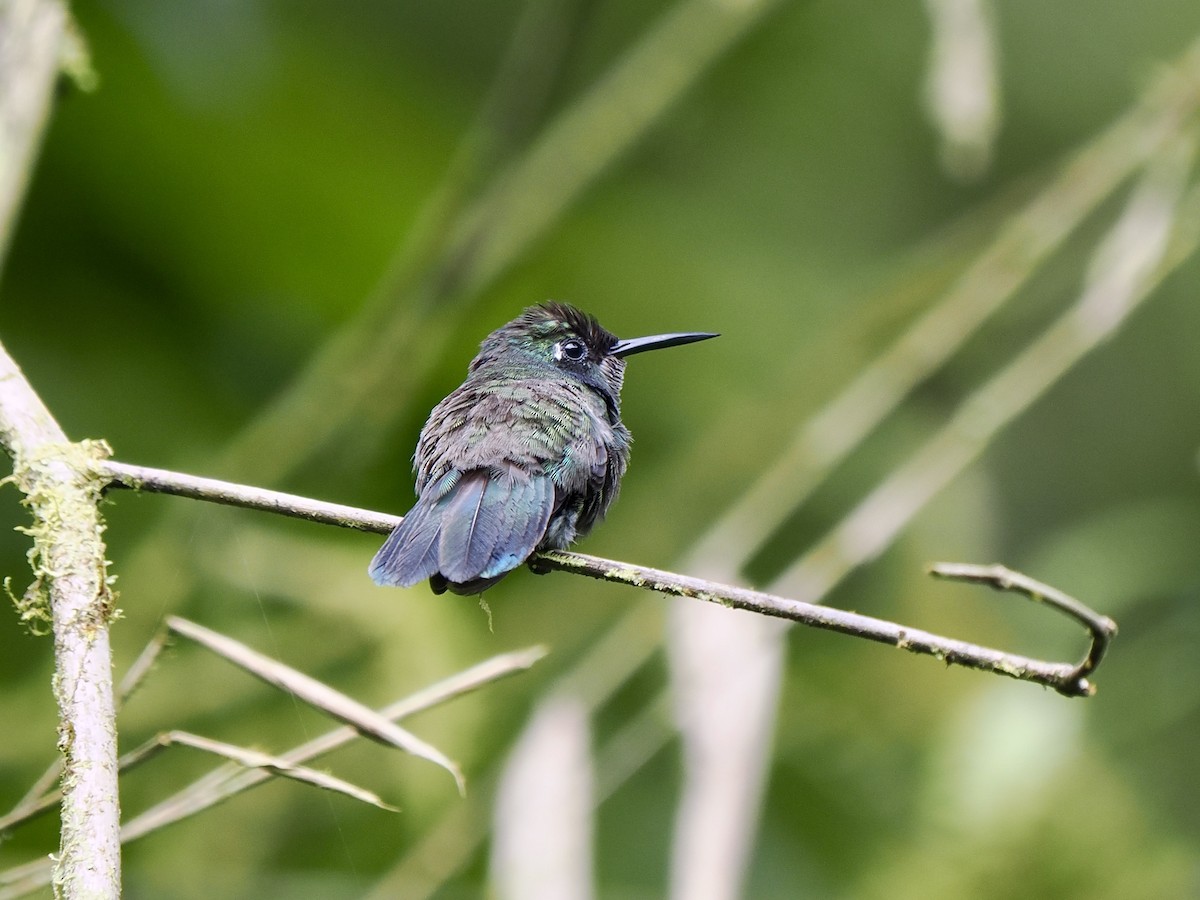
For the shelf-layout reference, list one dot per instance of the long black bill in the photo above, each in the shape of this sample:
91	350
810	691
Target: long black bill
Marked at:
657	341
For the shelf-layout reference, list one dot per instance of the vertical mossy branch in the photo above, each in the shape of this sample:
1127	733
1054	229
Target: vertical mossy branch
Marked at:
71	590
70	586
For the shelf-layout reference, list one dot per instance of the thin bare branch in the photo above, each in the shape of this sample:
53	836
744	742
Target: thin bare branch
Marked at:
160	481
30	807
1102	628
141	667
42	803
228	781
35	798
251	759
317	694
1060	676
20	881
224	783
221	784
1056	675
43	796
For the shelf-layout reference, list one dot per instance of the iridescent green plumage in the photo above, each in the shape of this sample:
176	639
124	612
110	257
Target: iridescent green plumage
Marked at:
527	454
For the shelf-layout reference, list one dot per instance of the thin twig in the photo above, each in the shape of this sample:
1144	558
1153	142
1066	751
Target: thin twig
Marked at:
36	794
317	694
32	806
1060	676
251	759
227	781
136	673
221	784
242	756
1056	675
43	796
1102	628
160	481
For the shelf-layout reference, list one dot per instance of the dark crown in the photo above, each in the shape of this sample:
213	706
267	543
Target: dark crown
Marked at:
553	315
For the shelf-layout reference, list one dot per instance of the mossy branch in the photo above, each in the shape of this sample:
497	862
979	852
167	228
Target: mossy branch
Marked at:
71	591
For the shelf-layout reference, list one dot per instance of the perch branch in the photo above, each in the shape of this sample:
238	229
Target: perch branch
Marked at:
1063	677
160	481
1102	628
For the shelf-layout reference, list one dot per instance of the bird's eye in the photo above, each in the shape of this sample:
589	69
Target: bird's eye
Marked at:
572	349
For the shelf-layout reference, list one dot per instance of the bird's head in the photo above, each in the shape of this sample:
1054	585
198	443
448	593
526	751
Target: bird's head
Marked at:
574	343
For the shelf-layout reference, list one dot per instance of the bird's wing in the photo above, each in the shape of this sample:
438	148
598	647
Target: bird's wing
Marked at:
520	506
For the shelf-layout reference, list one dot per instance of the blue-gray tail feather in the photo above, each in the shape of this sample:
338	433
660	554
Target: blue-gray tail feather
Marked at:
470	528
409	555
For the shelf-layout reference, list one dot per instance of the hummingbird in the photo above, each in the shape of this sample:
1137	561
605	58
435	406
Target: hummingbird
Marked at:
527	454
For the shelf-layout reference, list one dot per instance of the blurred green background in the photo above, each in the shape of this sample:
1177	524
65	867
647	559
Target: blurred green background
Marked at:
272	239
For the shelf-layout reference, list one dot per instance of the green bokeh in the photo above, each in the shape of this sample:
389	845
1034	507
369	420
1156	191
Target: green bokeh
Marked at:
247	176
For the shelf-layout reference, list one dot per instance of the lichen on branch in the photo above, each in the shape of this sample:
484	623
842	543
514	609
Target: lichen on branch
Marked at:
61	489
